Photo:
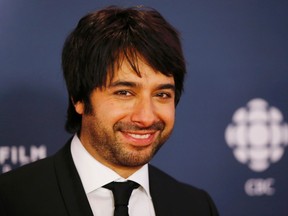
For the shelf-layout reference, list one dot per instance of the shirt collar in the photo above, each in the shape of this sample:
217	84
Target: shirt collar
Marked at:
94	175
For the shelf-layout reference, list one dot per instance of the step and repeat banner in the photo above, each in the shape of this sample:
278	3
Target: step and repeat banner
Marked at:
231	132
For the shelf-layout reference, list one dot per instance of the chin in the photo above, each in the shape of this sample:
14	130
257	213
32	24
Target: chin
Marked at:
137	158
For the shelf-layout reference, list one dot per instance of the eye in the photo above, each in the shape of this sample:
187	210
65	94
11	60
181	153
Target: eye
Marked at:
123	93
164	95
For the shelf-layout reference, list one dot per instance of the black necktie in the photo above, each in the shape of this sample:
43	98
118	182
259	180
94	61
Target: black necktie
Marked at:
121	192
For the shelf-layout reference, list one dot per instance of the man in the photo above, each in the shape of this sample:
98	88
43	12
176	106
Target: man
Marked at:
124	70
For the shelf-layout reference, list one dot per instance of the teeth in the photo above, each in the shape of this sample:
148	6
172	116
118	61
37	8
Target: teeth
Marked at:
140	136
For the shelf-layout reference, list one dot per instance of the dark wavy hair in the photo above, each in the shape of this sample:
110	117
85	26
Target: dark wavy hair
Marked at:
103	38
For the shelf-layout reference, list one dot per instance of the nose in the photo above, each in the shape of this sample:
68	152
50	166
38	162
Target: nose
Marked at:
144	112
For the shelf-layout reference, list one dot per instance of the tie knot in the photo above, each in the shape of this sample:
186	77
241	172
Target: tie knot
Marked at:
121	191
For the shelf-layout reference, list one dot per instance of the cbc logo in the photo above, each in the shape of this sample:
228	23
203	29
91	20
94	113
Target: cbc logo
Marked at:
258	135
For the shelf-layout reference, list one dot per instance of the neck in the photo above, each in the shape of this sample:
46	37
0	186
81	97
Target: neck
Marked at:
123	171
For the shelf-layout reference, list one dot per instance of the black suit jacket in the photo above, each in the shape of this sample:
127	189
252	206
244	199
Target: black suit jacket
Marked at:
52	187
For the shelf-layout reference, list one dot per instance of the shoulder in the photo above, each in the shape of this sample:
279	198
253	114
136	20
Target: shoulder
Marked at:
163	179
28	188
26	175
183	197
39	171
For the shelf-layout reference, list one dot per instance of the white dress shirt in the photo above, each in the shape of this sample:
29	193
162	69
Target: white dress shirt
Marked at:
94	175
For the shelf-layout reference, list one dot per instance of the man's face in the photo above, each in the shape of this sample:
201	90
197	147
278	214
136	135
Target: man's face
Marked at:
131	117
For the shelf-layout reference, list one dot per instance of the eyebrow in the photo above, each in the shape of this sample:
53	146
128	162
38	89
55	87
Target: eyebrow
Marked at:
122	83
133	84
167	86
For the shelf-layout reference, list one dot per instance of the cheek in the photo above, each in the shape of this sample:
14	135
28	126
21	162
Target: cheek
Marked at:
167	114
171	120
112	112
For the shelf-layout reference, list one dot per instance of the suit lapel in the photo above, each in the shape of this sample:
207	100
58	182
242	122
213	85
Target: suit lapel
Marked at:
70	184
159	187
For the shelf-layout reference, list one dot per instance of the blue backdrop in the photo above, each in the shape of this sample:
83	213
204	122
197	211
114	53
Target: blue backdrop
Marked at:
231	132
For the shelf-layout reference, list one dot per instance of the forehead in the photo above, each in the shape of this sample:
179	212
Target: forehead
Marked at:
141	72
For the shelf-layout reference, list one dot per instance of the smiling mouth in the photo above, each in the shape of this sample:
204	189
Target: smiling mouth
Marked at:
139	136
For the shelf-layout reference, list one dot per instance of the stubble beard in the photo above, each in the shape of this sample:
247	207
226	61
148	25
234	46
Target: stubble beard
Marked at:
115	152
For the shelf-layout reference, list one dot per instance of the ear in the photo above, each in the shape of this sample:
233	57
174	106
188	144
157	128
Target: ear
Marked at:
79	107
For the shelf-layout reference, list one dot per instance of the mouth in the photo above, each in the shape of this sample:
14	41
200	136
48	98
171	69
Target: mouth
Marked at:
140	139
139	136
